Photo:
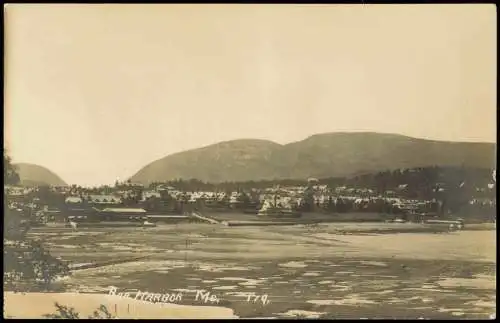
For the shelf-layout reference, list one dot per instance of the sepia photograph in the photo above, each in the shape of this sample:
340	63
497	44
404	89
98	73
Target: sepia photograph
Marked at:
250	161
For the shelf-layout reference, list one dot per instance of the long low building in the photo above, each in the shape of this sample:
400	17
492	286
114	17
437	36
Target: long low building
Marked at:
123	214
168	218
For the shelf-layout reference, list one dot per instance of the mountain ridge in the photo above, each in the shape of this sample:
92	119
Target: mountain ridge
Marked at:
319	155
390	134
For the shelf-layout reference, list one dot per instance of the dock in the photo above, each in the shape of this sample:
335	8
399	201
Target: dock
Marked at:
204	218
265	223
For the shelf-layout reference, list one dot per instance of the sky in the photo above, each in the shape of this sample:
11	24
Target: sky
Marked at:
96	92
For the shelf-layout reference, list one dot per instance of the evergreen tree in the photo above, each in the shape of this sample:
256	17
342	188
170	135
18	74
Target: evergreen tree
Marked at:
10	174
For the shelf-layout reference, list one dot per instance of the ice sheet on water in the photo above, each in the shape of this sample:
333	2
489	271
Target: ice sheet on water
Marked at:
322	302
223	267
301	313
294	264
239	294
67	246
233	278
224	287
338	288
312	274
374	263
476	283
323	282
354	300
420	298
483	303
453	311
251	282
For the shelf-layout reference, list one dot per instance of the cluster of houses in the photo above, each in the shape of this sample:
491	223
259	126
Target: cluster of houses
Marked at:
134	201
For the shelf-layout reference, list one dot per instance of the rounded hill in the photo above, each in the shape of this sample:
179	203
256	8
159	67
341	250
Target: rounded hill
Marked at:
235	160
31	174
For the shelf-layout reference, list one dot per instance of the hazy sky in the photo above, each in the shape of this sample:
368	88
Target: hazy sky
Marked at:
95	92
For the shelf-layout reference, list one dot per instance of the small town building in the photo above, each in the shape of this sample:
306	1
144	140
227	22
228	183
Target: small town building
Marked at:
123	214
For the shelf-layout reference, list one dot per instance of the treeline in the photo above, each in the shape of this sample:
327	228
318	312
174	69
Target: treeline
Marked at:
423	180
